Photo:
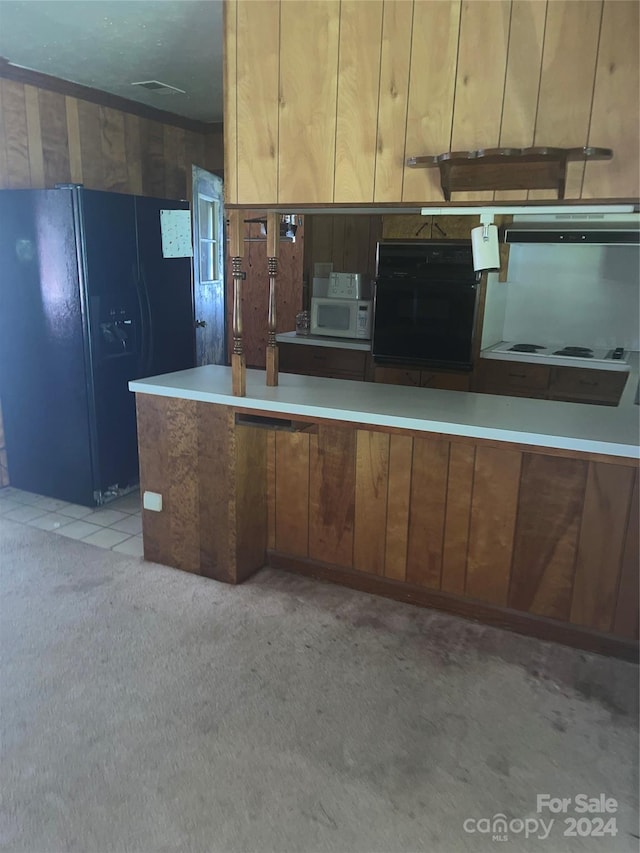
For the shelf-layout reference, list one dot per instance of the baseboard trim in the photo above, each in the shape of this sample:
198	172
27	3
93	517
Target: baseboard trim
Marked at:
531	625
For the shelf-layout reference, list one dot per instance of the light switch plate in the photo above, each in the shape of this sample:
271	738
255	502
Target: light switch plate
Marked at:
152	501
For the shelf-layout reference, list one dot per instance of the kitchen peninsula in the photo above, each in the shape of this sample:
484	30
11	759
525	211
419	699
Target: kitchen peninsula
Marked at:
521	513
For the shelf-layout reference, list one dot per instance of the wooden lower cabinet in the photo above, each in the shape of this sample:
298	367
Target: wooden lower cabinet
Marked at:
491	376
444	380
511	378
332	362
441	379
584	385
212	476
396	376
541	542
568	384
538	542
339	363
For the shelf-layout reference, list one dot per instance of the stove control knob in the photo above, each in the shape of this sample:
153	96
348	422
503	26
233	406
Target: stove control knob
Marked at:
618	353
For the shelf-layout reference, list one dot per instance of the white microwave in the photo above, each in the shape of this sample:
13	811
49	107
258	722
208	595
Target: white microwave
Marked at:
341	318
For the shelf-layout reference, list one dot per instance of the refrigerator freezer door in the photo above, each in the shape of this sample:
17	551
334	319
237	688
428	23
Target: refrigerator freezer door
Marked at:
42	347
116	331
168	292
87	303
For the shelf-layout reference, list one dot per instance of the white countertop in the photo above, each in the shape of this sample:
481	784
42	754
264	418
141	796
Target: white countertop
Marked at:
323	341
631	388
612	431
631	366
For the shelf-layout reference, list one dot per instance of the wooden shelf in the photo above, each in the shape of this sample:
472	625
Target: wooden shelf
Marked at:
506	168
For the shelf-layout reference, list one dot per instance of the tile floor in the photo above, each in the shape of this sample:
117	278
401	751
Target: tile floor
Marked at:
117	526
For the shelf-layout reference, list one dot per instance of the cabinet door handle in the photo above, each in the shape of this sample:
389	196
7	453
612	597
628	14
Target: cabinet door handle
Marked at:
518	375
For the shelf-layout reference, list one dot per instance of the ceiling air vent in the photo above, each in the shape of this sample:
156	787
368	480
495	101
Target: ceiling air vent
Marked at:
159	88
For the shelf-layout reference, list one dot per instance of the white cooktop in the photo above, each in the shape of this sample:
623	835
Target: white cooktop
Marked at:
562	355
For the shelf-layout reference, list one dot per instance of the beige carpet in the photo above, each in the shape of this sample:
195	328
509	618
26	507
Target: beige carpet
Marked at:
144	709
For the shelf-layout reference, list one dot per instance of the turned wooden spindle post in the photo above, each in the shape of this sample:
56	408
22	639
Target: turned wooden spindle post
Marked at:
236	250
273	246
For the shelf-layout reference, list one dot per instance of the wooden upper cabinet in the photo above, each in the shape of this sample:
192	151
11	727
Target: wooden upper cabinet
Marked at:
357	107
522	79
434	47
326	100
309	33
395	57
480	85
615	115
566	83
230	100
257	101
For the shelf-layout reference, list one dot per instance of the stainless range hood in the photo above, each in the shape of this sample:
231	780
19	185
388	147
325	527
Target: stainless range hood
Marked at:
574	232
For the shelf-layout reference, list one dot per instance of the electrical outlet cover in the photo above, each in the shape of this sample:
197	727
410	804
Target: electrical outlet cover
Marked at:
152	501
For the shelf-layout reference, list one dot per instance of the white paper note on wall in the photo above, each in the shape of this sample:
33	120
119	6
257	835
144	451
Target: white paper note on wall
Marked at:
175	226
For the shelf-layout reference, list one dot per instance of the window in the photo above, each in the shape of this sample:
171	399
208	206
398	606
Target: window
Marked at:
208	214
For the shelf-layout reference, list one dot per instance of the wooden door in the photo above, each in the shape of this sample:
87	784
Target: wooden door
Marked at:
208	267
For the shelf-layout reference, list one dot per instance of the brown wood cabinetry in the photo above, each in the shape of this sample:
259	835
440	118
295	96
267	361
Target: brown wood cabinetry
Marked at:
449	522
413	226
332	119
332	362
442	379
339	363
453	227
583	385
513	378
396	376
541	541
568	384
212	476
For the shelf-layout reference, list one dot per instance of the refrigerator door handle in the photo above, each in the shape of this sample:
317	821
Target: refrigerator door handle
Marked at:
142	354
150	342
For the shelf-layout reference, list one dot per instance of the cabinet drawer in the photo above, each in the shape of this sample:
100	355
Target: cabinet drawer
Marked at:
396	376
332	362
574	384
444	381
515	378
440	379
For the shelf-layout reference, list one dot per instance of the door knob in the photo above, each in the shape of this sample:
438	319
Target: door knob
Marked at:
200	324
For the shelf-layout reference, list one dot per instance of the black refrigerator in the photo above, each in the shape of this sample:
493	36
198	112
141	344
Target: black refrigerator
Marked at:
87	302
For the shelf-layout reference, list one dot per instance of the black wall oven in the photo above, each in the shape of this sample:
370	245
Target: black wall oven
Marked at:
425	303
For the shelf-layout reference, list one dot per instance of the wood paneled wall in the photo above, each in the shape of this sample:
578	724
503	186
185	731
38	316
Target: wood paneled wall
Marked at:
47	137
547	535
255	289
347	241
333	117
